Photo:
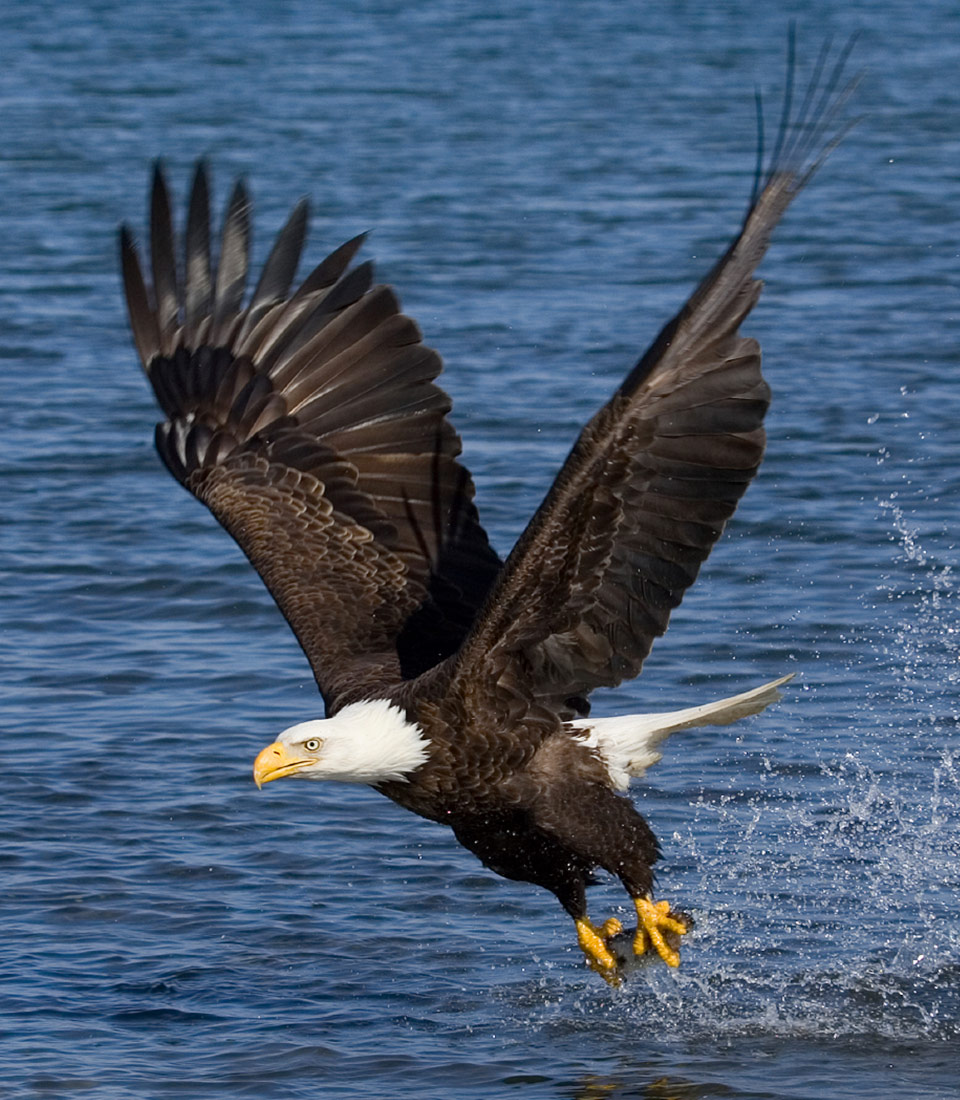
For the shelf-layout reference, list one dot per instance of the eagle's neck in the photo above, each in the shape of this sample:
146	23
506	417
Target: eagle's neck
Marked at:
369	742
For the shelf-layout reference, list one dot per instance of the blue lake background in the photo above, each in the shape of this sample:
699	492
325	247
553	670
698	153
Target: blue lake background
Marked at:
544	184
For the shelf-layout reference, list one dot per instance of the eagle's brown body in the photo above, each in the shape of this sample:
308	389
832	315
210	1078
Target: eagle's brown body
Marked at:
533	804
310	424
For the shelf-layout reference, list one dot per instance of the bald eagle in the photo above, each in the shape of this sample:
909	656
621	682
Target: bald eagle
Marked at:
310	423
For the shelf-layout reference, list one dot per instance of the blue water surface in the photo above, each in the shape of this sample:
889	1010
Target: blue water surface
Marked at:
544	184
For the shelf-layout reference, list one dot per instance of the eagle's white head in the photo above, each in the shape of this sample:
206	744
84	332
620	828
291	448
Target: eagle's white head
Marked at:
368	742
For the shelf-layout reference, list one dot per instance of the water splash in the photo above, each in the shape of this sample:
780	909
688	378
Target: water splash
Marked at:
827	890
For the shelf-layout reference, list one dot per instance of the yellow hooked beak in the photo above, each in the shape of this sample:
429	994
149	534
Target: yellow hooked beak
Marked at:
275	762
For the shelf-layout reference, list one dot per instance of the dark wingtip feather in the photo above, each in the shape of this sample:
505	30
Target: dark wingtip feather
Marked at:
142	318
351	287
326	273
234	261
158	181
758	166
162	256
786	109
281	265
197	259
806	136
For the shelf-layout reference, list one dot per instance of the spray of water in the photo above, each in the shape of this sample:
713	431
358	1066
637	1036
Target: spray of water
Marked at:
828	879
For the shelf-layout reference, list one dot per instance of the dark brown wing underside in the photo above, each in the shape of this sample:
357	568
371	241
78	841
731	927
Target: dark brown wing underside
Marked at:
594	586
345	595
649	485
311	425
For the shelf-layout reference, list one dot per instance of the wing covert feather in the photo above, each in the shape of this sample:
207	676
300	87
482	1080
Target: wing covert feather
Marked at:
344	593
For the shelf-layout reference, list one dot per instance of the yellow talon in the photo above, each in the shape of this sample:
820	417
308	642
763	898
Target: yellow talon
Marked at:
653	919
593	944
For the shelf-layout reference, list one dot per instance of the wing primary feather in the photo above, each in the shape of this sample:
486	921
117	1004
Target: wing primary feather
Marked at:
822	103
329	270
197	289
163	259
813	83
233	264
293	334
787	107
263	326
350	288
760	161
829	114
798	153
143	321
281	265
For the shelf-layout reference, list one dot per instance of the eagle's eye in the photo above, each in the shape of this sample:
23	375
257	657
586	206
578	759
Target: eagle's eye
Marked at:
312	745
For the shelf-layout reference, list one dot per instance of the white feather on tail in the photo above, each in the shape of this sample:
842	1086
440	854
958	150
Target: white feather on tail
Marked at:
628	742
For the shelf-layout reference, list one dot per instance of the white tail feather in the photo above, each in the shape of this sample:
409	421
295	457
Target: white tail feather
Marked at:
628	742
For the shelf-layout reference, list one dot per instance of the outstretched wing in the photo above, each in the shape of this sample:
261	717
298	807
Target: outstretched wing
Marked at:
649	485
310	424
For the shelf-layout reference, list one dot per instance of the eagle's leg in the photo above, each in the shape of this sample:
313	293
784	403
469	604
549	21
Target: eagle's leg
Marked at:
653	920
593	943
